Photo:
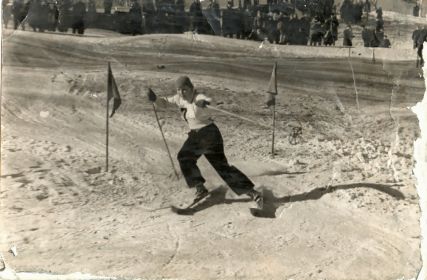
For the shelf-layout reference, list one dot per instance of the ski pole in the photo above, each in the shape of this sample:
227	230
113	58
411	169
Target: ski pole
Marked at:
237	116
164	140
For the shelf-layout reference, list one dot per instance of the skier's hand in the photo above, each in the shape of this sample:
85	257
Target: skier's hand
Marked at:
151	95
202	103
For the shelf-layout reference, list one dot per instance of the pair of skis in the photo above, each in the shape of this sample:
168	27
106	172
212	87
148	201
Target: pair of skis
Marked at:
192	208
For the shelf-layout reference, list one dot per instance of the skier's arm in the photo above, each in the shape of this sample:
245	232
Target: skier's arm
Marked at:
202	100
164	102
160	102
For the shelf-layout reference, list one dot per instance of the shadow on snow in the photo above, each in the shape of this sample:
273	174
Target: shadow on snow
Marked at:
272	203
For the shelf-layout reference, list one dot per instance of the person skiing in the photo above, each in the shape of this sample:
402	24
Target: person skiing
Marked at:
205	139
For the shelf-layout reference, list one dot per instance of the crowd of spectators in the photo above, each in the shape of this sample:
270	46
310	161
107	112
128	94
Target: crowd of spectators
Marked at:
293	22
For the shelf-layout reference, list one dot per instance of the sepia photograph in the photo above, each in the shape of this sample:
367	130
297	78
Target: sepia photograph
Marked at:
213	139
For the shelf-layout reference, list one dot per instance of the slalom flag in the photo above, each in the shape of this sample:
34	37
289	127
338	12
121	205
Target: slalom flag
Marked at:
113	91
272	87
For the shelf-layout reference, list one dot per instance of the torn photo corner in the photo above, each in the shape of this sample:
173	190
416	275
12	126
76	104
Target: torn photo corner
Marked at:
309	163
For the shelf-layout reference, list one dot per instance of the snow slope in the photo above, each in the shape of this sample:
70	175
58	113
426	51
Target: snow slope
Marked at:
343	199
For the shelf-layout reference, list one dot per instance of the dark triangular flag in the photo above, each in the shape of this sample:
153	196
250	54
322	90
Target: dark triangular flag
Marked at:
272	87
113	91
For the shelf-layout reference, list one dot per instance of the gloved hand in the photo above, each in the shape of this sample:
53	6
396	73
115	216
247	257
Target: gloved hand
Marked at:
151	95
202	103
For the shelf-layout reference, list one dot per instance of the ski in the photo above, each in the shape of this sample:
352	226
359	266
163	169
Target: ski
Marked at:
257	212
189	209
262	210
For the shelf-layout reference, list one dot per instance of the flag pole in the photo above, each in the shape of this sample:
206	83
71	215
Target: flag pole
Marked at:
274	128
271	101
274	109
107	124
373	55
164	140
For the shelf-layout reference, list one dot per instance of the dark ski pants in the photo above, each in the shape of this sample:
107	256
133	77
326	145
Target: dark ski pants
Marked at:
208	141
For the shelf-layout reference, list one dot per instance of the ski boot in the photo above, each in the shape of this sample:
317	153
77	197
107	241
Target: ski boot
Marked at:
257	198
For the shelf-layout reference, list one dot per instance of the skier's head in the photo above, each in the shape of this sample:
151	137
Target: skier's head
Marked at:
185	88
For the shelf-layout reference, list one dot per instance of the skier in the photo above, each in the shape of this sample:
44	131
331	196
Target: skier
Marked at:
205	139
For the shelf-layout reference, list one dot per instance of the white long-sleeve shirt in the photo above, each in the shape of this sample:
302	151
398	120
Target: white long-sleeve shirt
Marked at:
196	117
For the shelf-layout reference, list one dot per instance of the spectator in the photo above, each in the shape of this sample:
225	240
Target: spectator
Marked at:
64	17
293	30
379	12
79	13
19	13
303	34
367	6
373	38
415	36
247	23
385	43
6	12
281	23
91	12
108	4
228	21
258	28
247	4
348	37
214	6
357	12
135	14
316	32
331	27
420	44
366	37
272	33
346	11
416	10
196	16
150	14
380	36
213	15
36	15
52	16
232	21
379	24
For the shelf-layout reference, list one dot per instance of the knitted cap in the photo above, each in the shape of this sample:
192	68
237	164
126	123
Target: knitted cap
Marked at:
183	81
